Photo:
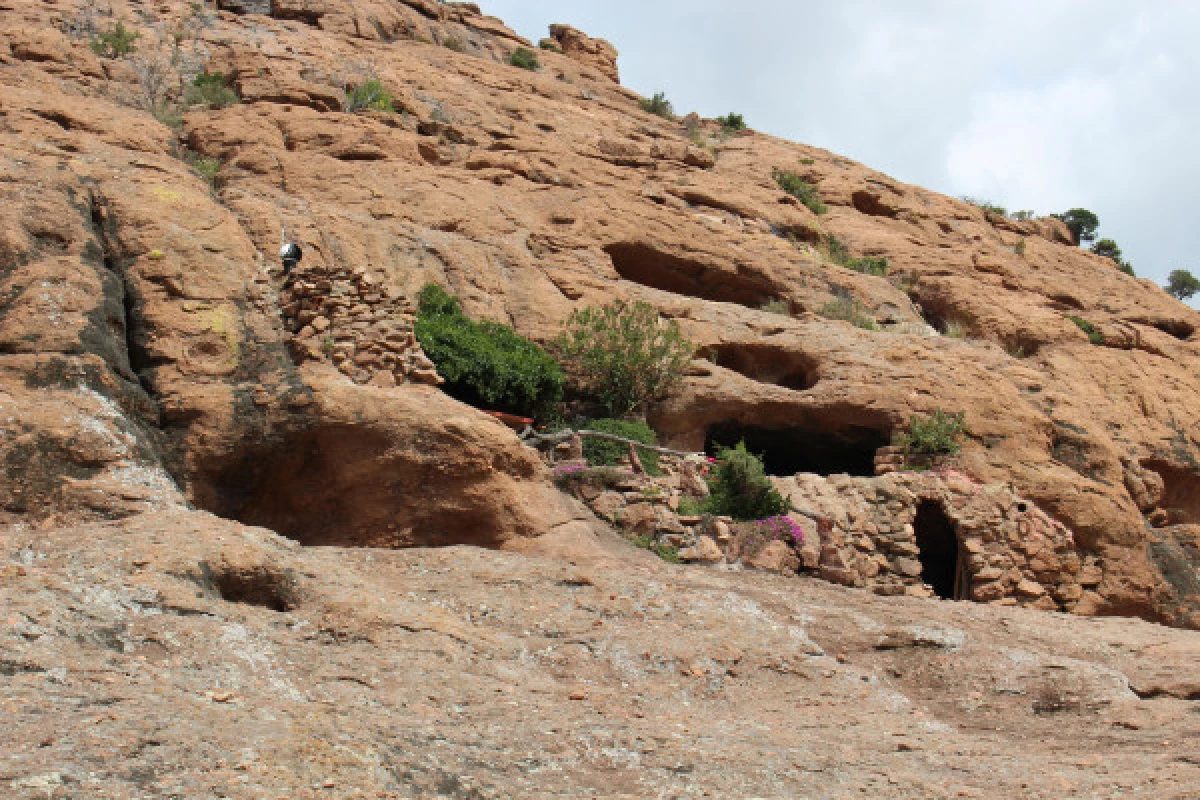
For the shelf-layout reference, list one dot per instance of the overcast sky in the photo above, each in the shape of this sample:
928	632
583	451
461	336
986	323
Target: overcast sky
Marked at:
1031	104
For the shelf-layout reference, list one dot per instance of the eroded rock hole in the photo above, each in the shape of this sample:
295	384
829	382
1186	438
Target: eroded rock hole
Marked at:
849	450
342	486
766	364
1181	492
943	567
871	204
643	264
262	585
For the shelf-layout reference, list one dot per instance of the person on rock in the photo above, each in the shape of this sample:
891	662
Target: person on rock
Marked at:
290	255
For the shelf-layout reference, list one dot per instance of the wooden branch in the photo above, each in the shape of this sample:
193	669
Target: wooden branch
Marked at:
540	440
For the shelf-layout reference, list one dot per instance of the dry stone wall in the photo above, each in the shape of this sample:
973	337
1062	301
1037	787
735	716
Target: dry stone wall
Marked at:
348	317
1012	552
862	532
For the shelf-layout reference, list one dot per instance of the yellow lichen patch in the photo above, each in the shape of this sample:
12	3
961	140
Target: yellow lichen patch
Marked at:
226	323
172	196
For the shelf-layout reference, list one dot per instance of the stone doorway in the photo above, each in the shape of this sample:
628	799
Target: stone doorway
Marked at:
943	564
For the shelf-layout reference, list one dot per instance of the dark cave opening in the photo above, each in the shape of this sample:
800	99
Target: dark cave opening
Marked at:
766	363
641	263
942	564
341	486
849	450
1181	492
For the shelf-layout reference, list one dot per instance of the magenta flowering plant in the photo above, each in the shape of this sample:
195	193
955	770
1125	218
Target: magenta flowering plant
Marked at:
782	528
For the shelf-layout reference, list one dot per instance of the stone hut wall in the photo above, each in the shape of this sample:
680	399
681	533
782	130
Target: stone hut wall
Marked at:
348	317
1015	554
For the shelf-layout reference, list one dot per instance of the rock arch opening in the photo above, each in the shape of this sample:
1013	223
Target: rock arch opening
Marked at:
641	263
821	450
341	485
943	566
766	364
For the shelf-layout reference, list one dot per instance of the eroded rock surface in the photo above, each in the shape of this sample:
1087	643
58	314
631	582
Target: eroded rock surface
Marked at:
155	367
176	654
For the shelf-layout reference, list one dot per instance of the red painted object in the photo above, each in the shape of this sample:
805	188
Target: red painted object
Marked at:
511	420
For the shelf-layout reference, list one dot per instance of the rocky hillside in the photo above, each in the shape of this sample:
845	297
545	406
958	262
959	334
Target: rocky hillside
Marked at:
156	375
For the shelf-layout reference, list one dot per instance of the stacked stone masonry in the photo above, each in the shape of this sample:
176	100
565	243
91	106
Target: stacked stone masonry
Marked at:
860	532
364	328
1013	553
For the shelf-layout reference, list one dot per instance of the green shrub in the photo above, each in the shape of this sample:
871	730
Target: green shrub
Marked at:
117	43
524	58
740	487
732	122
658	104
776	306
1093	333
800	189
1182	284
573	478
1082	224
550	45
988	208
486	363
454	43
840	255
604	453
369	96
623	354
938	434
666	552
210	89
849	310
1111	250
207	168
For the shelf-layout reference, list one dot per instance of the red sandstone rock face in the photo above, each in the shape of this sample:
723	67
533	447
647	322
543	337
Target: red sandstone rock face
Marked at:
150	363
530	194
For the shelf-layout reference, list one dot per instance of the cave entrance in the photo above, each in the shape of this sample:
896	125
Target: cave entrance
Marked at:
943	567
788	451
659	269
1181	492
341	486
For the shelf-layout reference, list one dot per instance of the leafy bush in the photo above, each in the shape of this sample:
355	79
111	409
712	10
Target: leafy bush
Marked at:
800	189
740	487
116	43
849	310
1109	249
732	122
485	363
1082	224
666	552
1182	284
369	95
604	453
776	306
1093	333
658	104
573	478
623	354
524	58
938	434
840	255
454	43
988	208
210	89
551	45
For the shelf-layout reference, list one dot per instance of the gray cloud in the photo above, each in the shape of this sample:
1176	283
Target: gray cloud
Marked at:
1032	104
